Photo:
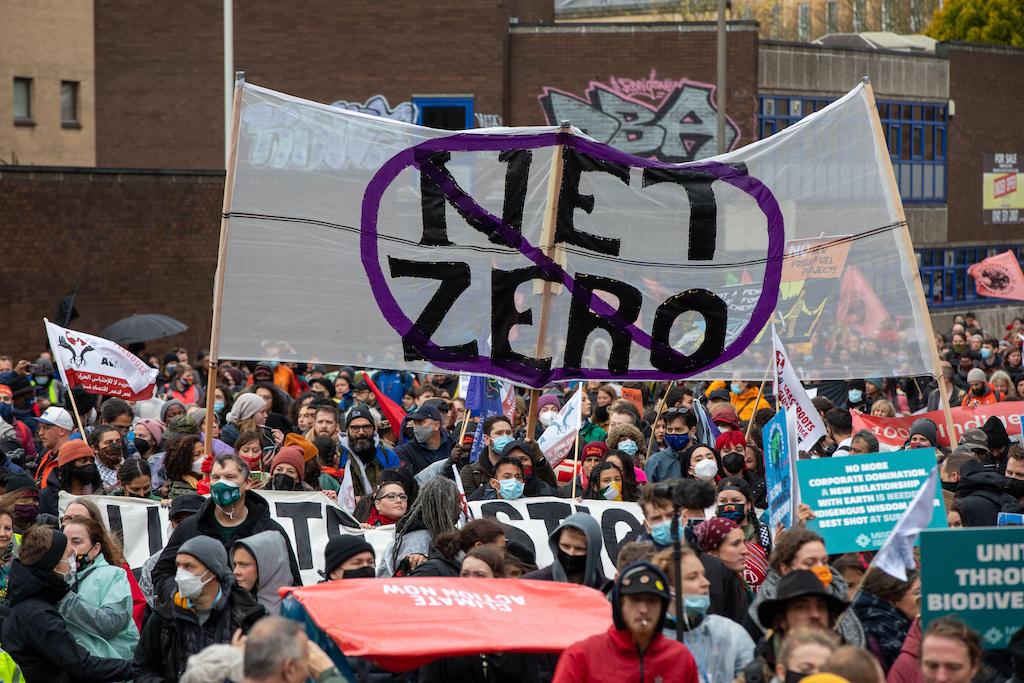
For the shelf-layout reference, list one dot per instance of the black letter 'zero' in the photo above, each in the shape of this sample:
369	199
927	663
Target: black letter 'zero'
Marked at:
455	279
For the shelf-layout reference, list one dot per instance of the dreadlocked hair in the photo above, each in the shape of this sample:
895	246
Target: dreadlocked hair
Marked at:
436	509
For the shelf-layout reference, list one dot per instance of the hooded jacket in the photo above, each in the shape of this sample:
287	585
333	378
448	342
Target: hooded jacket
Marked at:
203	523
415	456
35	635
173	633
593	574
99	613
271	553
612	657
720	646
848	626
980	495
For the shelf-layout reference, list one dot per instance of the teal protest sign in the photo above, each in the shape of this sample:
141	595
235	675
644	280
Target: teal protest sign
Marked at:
857	500
978	575
779	438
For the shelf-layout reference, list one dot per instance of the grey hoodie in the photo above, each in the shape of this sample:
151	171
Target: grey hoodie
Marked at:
593	575
268	547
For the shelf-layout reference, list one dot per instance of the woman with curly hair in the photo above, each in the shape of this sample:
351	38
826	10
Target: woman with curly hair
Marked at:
183	464
630	440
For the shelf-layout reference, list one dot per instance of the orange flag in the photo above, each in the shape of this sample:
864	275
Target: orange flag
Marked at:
999	276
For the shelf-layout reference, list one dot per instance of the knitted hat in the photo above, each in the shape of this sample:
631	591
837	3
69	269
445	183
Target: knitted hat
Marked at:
548	400
211	554
359	411
309	451
73	450
877	381
20	481
995	430
926	428
156	428
976	375
20	385
712	533
167	406
341	548
245	407
594	449
290	455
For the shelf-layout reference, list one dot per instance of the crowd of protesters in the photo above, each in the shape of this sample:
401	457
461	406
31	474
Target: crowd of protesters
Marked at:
759	604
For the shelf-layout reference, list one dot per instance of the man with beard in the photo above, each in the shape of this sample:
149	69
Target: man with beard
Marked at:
371	458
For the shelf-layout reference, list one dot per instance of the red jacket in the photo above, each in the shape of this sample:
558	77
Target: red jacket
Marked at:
613	658
907	667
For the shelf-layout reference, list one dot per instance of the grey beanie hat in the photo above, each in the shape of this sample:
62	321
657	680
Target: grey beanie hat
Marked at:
212	555
976	375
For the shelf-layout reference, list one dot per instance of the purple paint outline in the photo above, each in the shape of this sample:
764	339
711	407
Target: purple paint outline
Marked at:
418	157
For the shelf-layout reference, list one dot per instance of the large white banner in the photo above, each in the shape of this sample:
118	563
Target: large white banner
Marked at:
656	270
310	519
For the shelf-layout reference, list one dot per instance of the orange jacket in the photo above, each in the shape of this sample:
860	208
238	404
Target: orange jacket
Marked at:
990	396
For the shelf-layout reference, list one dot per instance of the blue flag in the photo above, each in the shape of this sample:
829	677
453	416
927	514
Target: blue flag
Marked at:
483	398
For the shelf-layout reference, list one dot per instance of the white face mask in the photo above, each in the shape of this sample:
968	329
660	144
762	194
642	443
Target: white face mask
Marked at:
547	417
706	470
189	585
197	466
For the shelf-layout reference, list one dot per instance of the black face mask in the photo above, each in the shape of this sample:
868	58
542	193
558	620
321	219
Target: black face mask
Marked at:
950	486
794	677
733	462
282	482
84	474
1015	487
367	572
142	446
572	564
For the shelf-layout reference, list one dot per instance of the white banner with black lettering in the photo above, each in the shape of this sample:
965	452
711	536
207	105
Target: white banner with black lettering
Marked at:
309	518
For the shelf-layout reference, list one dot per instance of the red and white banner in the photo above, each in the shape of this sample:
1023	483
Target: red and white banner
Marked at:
790	393
894	431
557	440
99	365
999	276
451	617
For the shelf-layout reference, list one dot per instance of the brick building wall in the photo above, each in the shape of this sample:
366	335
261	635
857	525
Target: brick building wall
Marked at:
136	242
160	76
984	83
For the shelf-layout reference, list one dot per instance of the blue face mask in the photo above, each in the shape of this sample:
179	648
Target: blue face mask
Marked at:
511	489
628	447
662	534
697	605
855	395
272	364
735	388
677	442
986	353
498	443
218	406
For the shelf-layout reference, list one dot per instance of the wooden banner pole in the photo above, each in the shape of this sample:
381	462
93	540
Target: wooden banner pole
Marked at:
657	416
548	245
74	407
218	282
760	394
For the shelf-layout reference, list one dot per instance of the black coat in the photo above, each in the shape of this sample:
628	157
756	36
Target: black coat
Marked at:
203	523
437	565
980	495
415	456
35	636
172	634
511	667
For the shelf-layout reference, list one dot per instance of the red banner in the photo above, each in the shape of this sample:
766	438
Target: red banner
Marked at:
894	431
401	624
107	385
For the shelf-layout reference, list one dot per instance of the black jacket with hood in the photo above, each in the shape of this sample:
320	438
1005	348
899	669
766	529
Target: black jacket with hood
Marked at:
593	574
980	495
35	636
416	456
203	523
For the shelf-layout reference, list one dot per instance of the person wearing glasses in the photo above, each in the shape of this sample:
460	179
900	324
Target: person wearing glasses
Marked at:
371	457
680	437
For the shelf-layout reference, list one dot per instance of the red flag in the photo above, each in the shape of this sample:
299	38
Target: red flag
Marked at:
999	276
436	617
393	412
859	306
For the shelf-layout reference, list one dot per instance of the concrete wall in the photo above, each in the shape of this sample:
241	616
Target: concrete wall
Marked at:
48	41
143	242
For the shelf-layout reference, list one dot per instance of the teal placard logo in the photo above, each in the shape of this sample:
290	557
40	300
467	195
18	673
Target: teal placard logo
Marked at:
977	575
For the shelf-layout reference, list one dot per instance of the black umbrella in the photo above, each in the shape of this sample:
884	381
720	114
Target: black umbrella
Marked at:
141	328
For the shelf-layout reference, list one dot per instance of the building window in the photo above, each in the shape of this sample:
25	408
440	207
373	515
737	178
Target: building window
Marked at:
831	17
859	12
914	131
69	103
445	113
804	21
23	100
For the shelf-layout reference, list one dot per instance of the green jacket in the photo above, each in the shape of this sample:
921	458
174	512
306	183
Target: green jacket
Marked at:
98	613
591	432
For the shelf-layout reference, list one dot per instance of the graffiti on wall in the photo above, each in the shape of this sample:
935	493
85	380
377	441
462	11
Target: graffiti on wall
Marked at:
671	120
378	106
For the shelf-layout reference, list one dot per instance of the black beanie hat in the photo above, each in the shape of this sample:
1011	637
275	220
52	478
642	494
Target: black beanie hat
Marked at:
995	430
54	554
342	548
